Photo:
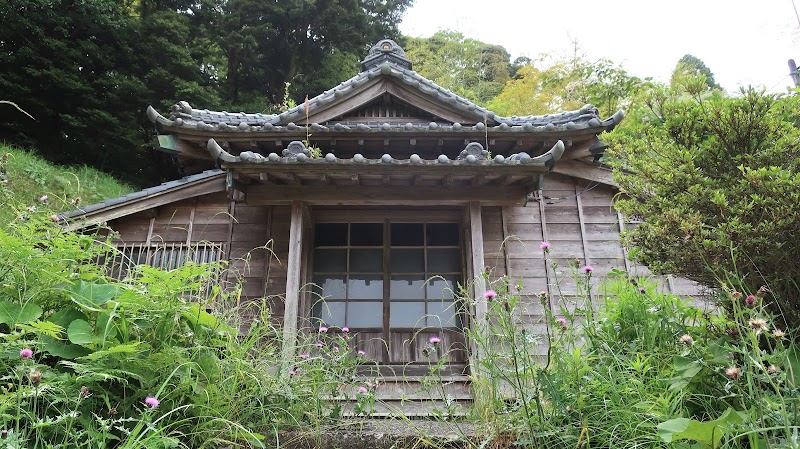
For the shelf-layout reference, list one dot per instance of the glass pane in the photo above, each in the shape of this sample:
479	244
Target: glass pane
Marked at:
444	261
365	286
365	314
407	261
407	314
330	234
442	234
366	234
366	260
329	287
443	314
330	260
330	313
438	288
407	287
407	234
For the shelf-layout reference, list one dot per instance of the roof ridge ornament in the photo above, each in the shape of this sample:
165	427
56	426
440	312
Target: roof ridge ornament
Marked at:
385	50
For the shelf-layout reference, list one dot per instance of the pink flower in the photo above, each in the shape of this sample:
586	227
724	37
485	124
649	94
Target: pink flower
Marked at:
434	340
490	294
561	320
588	269
361	353
304	356
43	198
345	329
318	345
687	339
152	402
323	330
750	300
544	246
54	218
26	353
292	372
362	389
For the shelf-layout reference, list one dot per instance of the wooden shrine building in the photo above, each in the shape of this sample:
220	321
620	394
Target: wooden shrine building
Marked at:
369	204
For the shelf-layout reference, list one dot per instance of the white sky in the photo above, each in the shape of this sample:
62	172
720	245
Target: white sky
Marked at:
742	42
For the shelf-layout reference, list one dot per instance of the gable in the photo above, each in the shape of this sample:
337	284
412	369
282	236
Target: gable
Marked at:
387	108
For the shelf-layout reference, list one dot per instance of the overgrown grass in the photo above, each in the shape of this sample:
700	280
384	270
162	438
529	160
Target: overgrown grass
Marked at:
26	177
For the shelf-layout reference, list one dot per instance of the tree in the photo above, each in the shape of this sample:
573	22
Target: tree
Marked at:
267	44
690	66
564	85
470	68
715	182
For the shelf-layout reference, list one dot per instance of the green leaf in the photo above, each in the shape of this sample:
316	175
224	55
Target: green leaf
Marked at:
62	349
80	333
92	296
13	314
43	328
709	433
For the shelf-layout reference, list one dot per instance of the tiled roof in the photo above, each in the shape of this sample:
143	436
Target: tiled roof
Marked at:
472	155
142	194
392	66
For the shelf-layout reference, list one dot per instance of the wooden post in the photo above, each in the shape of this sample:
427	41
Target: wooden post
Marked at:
292	284
479	284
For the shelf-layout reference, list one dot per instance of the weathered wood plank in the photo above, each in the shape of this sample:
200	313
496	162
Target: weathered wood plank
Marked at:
293	283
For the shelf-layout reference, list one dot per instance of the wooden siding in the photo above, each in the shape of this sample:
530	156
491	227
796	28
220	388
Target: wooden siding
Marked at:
255	242
578	220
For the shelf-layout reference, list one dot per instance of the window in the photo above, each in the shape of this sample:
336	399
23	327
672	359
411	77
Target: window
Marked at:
387	278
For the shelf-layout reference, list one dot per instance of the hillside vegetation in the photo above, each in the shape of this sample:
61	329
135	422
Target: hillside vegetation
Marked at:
30	184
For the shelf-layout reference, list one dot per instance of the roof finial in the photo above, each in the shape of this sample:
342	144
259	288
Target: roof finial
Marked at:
385	50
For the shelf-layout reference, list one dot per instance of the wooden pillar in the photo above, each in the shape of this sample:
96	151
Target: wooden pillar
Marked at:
479	284
292	284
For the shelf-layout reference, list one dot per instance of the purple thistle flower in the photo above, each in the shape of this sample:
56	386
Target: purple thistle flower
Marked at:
434	340
318	345
588	269
544	246
490	294
361	353
323	330
304	356
750	300
152	402
362	389
345	329
26	353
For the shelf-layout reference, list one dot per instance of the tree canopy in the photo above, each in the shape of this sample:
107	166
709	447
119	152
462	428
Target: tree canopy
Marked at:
86	70
690	65
468	67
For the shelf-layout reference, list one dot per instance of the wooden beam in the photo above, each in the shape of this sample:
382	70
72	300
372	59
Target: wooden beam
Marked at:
478	283
384	195
585	170
292	285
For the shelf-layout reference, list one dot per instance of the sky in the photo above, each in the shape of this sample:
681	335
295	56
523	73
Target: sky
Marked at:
742	42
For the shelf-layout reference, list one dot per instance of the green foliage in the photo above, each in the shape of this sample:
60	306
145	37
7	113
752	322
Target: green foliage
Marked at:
86	71
691	66
145	361
26	177
470	68
545	86
715	182
638	368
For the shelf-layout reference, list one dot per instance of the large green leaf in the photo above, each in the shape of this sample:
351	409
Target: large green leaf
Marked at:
80	332
62	349
13	314
709	433
92	296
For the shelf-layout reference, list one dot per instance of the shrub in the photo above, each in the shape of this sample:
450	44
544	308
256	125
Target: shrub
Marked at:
715	182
